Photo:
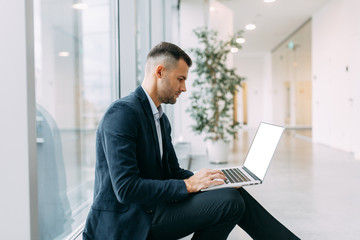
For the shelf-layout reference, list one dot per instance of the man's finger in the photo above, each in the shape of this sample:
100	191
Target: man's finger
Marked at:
214	171
217	182
220	176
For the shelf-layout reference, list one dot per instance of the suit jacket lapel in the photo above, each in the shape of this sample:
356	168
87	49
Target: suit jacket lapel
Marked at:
147	108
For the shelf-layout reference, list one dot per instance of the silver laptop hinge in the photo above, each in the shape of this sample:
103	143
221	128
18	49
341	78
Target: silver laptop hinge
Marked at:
251	174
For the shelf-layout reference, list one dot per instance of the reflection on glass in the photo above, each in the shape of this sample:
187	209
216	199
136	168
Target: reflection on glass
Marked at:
75	59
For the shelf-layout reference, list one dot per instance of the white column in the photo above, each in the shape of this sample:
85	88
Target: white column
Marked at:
157	22
127	29
18	202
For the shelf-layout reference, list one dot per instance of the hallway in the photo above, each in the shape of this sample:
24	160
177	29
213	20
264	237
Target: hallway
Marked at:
310	188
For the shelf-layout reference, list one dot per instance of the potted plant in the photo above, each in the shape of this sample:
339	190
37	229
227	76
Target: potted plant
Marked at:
212	96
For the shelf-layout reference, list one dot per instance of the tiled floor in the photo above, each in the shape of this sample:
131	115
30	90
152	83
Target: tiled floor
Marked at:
312	189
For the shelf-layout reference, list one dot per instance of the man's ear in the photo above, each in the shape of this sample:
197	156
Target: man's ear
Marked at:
159	71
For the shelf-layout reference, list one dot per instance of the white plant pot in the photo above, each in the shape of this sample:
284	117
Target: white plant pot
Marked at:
218	151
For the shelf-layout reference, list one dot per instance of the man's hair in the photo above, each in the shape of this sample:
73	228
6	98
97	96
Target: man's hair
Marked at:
168	51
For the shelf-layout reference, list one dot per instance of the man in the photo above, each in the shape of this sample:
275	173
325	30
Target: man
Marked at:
140	190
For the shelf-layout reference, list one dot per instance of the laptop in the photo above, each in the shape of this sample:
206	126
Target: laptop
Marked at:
257	160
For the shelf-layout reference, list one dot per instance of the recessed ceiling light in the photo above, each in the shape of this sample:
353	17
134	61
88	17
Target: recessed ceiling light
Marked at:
80	6
212	9
240	40
269	1
234	50
250	26
63	54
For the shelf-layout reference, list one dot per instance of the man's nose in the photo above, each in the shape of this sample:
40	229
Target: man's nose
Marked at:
183	87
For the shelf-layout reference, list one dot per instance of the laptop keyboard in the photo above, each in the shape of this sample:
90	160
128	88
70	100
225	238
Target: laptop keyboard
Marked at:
234	175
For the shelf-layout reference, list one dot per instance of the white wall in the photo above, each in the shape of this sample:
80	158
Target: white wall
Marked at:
256	68
336	74
221	19
17	121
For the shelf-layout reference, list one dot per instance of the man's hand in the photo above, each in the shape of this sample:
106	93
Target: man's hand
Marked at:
203	179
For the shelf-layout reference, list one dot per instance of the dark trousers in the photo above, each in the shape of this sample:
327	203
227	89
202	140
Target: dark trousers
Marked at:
213	214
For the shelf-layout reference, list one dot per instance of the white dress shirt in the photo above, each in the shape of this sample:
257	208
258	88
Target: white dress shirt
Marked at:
157	112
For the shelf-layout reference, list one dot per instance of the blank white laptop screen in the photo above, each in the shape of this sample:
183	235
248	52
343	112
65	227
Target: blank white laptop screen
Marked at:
262	149
257	160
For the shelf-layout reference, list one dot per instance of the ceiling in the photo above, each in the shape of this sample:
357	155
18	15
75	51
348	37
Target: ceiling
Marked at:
274	21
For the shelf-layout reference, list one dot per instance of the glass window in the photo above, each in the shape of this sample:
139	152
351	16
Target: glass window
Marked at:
76	75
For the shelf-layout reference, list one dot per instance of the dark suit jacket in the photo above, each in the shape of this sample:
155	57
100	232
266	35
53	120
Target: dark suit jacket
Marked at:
130	177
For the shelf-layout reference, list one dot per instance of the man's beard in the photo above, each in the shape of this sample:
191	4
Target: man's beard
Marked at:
166	95
167	99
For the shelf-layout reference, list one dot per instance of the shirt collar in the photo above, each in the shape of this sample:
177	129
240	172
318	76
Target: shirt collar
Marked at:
157	112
